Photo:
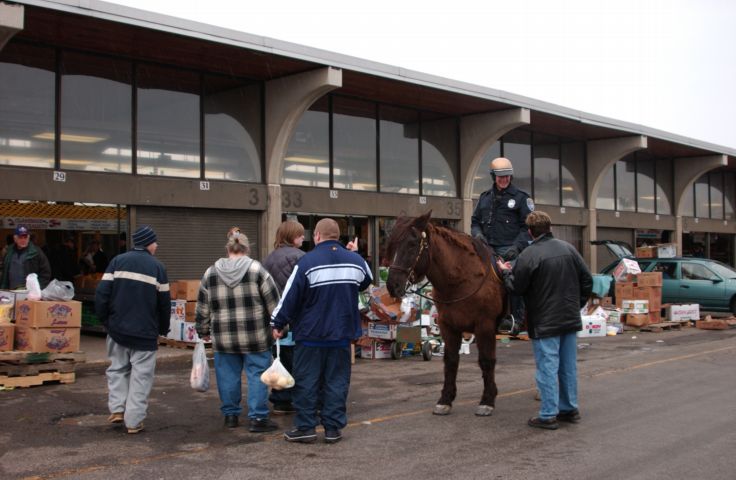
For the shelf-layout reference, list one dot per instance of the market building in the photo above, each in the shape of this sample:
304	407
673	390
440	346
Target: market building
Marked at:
113	117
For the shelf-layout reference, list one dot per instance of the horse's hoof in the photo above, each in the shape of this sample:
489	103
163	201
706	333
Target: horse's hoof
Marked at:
484	411
441	409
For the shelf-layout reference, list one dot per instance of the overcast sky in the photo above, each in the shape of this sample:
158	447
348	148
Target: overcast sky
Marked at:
665	64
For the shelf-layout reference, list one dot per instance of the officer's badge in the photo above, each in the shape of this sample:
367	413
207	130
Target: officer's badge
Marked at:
530	204
512	203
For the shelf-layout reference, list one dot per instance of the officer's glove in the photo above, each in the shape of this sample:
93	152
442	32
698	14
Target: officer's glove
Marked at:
511	254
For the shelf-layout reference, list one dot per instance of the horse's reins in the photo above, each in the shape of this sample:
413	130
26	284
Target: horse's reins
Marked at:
424	243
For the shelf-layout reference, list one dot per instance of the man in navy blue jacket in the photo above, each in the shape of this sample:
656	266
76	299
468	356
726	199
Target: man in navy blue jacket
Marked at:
320	303
133	302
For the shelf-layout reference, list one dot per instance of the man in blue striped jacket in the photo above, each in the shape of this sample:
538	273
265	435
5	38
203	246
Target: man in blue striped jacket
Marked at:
133	302
320	303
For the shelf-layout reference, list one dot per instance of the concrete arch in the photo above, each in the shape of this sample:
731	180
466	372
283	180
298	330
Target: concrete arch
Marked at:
602	154
286	101
686	171
477	134
11	22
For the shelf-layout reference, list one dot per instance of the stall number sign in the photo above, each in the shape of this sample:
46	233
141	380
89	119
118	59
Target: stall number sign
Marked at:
59	176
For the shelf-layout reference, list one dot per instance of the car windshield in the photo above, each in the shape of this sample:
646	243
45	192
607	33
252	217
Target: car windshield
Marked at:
722	270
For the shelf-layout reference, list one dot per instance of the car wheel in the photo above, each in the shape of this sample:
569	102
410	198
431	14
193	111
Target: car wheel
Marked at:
733	305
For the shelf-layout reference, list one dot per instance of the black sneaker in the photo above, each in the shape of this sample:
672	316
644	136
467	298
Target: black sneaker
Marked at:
332	436
572	416
262	425
231	421
549	424
301	436
283	409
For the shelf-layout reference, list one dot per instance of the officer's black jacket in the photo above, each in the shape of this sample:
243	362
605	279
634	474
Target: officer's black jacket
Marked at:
500	216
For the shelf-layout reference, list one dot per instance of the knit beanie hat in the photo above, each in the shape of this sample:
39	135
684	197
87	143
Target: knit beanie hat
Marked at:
144	236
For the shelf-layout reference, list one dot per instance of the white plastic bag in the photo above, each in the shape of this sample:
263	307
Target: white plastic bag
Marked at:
277	376
58	290
33	287
200	376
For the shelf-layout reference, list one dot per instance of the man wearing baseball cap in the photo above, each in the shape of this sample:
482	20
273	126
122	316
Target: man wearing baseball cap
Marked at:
22	259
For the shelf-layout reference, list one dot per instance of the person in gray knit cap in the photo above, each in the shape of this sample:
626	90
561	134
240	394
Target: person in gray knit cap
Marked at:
133	302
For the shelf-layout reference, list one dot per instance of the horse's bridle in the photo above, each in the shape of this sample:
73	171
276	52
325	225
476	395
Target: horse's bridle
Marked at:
424	243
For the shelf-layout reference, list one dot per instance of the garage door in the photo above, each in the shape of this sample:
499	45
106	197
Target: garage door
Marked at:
192	239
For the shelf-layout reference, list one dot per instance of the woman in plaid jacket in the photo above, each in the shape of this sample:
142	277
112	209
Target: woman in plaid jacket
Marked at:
236	298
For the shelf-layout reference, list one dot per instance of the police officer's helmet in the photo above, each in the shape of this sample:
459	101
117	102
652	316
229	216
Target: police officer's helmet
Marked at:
501	167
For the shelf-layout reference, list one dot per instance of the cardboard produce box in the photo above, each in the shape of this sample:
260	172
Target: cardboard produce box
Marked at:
10	297
634	306
383	331
7	332
58	340
678	312
625	268
377	349
637	319
646	252
187	289
593	326
649	279
388	308
55	313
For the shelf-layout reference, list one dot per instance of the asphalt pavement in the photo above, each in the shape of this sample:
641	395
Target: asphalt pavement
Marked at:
654	405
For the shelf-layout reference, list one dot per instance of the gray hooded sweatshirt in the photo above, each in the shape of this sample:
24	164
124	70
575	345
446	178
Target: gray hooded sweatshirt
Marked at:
231	270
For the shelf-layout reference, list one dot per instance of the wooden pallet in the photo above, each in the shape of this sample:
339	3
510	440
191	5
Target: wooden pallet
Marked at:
502	336
659	327
35	380
15	356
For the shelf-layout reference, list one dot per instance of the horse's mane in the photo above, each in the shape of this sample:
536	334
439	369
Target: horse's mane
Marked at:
464	241
402	227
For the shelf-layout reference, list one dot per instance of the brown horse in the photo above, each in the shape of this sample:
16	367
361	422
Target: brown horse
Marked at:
467	292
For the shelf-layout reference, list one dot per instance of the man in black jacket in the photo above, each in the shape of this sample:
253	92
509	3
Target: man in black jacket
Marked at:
555	283
133	302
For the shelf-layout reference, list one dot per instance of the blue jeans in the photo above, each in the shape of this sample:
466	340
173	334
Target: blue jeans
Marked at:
322	376
229	368
556	359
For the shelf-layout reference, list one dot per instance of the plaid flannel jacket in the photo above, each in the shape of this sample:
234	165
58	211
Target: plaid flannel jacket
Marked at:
237	318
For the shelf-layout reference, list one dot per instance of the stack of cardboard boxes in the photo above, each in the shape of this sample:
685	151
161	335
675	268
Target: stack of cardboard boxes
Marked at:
47	326
386	323
184	310
639	297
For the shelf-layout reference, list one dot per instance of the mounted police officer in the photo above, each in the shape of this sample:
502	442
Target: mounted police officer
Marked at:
499	220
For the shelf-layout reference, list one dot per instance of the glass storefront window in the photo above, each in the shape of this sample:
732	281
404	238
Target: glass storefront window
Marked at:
354	144
168	122
439	157
716	195
625	184
96	123
307	160
573	174
664	186
644	183
605	200
399	150
702	202
546	170
232	129
517	148
482	180
729	194
27	126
